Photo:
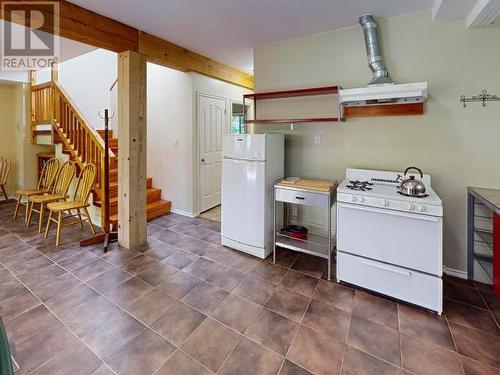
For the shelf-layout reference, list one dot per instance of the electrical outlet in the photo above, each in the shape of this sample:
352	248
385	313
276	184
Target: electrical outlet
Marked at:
295	211
317	139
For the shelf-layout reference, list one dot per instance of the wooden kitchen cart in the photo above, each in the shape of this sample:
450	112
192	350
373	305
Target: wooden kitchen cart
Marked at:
313	193
483	233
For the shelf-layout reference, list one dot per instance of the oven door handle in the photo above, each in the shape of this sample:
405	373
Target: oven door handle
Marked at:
391	212
386	268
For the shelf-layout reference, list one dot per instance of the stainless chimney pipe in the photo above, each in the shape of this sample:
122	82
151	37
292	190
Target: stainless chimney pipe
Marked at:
372	44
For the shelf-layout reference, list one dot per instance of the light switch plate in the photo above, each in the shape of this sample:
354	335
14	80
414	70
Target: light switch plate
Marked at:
317	139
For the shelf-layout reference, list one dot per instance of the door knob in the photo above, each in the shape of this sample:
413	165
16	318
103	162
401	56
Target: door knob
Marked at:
202	160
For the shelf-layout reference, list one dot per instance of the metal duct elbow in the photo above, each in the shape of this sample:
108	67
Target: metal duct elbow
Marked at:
372	44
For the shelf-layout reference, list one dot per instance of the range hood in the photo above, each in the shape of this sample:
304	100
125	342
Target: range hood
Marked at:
381	89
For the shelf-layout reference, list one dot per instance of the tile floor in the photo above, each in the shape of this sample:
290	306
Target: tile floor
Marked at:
212	214
186	305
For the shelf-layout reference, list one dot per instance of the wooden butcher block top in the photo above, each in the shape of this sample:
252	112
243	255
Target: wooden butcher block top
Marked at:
308	184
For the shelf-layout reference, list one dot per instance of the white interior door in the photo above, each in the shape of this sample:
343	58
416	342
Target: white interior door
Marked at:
211	123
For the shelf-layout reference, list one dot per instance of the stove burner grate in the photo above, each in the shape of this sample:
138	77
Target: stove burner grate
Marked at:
359	185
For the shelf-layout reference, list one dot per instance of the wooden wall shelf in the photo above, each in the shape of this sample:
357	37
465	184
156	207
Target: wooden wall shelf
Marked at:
313	91
408	109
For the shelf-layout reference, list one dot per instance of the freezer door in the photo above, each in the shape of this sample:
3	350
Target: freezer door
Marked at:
244	147
243	216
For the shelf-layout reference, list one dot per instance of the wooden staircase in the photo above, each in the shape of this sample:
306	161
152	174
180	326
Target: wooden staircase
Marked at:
156	206
51	104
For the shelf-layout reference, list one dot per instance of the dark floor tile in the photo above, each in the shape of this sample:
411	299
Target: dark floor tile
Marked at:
357	362
242	262
78	260
211	343
156	273
92	270
464	294
180	259
192	245
236	312
378	340
473	367
476	344
42	346
290	368
169	236
421	357
181	364
249	358
128	292
149	307
112	335
202	268
179	285
269	272
284	257
300	283
337	295
139	264
18	305
103	370
117	255
56	286
226	278
75	360
272	330
42	275
161	251
320	316
472	317
143	355
255	290
288	303
492	302
109	280
89	316
205	297
429	327
65	303
219	254
29	266
310	265
10	287
26	325
376	309
316	352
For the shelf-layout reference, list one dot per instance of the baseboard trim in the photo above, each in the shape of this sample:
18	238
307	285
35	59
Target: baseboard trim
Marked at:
183	213
454	272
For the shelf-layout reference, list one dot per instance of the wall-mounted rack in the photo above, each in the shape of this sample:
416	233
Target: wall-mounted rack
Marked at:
483	97
329	90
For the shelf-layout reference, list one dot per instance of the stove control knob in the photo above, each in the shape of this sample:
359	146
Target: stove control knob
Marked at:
420	208
354	199
410	206
386	203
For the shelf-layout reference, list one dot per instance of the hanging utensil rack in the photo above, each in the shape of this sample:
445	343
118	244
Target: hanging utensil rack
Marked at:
483	97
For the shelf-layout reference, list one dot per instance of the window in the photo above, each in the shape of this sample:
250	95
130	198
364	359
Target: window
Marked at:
237	123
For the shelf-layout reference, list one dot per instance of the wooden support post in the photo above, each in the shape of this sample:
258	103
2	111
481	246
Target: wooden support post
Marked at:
132	220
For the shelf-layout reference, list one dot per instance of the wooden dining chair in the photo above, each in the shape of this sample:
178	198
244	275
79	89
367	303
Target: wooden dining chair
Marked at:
79	203
5	166
59	192
44	184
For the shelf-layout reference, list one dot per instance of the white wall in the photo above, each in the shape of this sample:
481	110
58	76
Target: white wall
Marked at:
87	79
456	146
169	120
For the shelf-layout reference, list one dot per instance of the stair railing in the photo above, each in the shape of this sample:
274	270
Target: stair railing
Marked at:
51	104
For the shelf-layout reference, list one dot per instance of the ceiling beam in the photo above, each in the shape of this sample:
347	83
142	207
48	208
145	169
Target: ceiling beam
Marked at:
483	14
79	24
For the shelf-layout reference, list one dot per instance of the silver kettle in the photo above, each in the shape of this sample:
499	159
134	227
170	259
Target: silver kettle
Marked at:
410	186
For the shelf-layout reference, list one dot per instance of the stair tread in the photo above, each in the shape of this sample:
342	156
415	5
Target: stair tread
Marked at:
152	205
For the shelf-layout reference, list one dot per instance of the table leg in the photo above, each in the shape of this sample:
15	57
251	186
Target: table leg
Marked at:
496	254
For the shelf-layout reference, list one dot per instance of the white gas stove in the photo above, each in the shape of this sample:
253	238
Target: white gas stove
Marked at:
389	242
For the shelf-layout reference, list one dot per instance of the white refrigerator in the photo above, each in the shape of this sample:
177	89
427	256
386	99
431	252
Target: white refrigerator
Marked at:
251	163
